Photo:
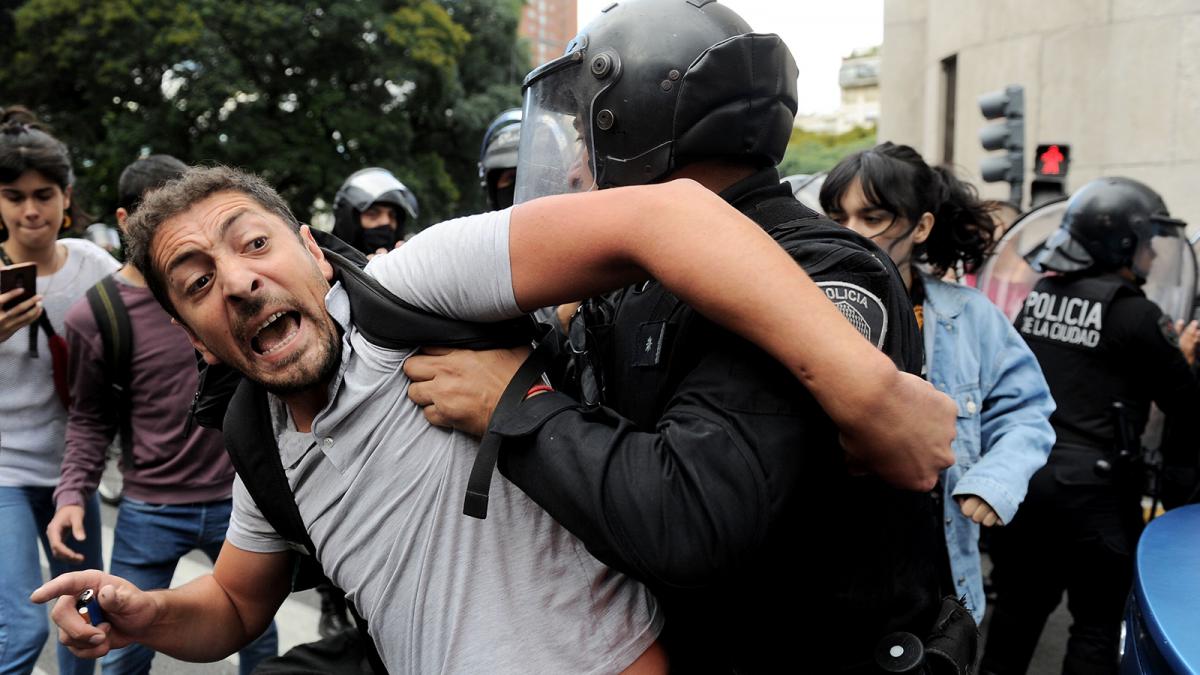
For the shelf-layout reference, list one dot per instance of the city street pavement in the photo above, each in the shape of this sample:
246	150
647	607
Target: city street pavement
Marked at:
297	619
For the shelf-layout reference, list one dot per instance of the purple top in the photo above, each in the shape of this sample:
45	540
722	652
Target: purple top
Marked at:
171	468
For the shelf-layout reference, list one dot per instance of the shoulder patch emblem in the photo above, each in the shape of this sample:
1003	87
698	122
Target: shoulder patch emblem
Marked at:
862	308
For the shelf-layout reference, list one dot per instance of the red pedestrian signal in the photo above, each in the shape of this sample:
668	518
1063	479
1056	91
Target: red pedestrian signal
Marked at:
1050	168
1052	160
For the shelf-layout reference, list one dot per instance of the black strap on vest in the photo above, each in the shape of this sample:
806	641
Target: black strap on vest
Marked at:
480	482
116	334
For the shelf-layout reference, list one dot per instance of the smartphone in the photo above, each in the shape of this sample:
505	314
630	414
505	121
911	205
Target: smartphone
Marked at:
21	275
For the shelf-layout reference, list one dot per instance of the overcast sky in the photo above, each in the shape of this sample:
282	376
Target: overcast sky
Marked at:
819	33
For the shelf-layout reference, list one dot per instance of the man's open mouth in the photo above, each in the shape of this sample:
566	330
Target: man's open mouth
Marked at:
275	332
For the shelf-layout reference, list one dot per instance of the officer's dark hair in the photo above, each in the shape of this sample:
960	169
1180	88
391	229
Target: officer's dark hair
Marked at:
896	179
144	175
26	146
195	185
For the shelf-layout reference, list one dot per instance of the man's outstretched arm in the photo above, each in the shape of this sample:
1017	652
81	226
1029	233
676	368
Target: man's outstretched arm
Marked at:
574	246
204	620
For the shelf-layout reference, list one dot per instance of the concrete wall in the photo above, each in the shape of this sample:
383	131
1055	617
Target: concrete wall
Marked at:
1119	80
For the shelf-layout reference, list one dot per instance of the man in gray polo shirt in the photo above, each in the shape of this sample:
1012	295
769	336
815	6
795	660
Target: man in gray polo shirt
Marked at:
379	489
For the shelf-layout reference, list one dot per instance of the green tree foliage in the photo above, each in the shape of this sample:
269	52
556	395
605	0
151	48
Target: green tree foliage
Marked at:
303	93
812	152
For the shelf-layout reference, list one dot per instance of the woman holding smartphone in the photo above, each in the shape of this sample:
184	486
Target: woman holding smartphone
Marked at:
928	222
35	209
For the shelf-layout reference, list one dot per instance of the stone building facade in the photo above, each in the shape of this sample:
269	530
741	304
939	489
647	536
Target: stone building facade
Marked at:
1118	80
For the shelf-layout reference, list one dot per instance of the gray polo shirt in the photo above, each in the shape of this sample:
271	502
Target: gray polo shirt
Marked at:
381	491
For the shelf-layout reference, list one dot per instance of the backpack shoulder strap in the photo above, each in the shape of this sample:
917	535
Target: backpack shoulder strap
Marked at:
391	322
254	452
116	334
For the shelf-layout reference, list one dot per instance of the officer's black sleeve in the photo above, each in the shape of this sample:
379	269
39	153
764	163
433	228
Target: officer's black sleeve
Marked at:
1146	338
689	500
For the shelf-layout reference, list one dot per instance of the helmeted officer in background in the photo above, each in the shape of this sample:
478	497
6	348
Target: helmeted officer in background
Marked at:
676	451
373	210
498	159
1107	352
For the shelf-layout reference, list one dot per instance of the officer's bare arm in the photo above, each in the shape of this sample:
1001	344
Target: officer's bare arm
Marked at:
204	620
727	267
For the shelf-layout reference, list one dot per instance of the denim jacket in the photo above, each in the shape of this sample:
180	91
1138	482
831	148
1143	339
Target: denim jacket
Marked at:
1003	433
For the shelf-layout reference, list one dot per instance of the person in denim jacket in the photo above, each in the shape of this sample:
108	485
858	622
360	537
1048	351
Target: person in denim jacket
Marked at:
922	214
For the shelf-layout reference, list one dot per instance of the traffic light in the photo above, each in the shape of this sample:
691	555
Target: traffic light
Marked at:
1049	173
1008	135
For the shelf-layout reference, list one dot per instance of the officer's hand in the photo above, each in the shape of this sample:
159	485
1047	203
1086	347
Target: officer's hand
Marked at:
904	436
565	312
18	316
128	612
460	388
67	518
1189	336
976	509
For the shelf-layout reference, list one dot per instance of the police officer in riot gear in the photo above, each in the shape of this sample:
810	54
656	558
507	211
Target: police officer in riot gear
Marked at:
1107	353
373	210
679	453
498	159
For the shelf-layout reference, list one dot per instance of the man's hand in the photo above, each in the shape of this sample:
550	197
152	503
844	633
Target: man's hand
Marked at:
67	518
904	435
19	315
976	509
128	612
460	388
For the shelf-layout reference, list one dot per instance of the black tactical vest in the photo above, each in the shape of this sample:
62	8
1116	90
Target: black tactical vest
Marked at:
1066	322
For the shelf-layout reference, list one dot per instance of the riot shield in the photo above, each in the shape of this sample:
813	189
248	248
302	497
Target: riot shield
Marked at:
1005	278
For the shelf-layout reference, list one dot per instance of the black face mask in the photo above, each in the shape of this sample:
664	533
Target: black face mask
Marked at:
504	196
378	238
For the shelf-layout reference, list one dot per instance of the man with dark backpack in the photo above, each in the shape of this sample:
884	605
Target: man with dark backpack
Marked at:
133	375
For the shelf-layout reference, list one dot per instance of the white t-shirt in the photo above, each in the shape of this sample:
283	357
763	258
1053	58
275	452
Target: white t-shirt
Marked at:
33	423
381	493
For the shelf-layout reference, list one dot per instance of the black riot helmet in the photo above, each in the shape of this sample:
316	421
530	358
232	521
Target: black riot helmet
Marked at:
650	86
362	189
498	156
1106	224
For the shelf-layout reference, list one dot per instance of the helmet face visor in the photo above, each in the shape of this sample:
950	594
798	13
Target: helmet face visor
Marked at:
1168	265
555	155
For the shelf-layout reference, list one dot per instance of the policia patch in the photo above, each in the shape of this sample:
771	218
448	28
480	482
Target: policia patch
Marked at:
862	308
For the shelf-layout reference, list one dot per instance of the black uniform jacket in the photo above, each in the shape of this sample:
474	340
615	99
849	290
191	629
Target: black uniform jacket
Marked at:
710	474
1100	341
